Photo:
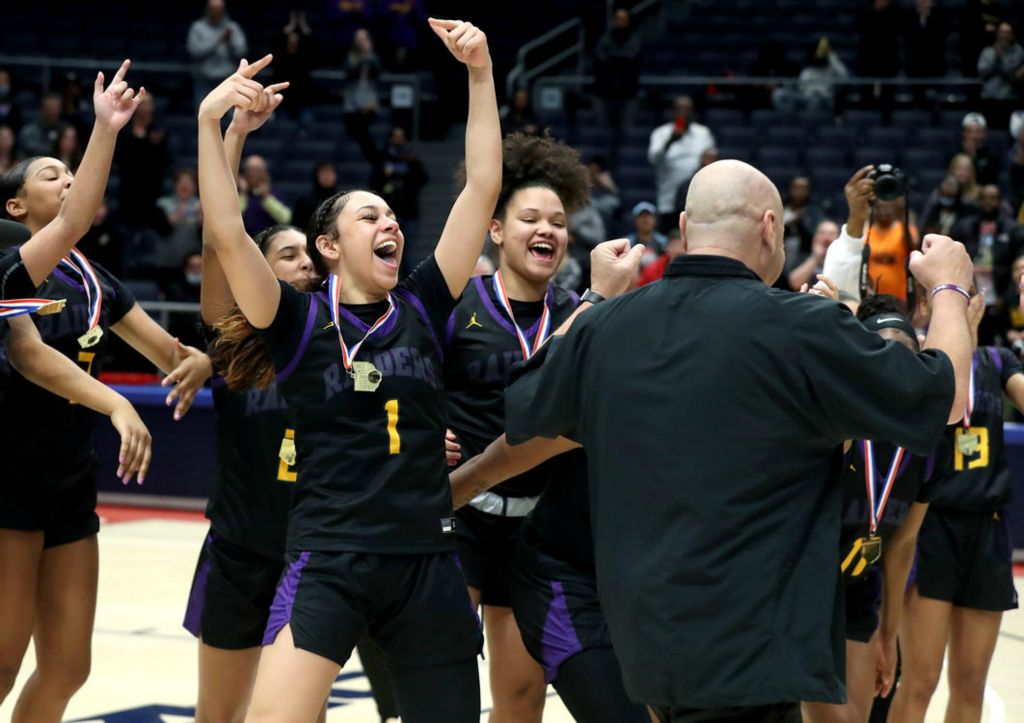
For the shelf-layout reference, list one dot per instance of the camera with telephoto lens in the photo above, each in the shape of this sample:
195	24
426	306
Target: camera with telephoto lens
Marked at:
890	183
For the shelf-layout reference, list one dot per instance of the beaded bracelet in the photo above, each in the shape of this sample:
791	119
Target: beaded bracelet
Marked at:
953	287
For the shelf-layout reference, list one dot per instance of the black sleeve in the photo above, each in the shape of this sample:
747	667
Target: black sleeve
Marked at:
936	466
866	387
543	394
15	282
1011	364
428	285
285	332
123	299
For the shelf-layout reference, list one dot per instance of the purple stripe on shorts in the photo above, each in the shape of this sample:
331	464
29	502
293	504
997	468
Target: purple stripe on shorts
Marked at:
194	611
281	609
422	311
559	641
307	333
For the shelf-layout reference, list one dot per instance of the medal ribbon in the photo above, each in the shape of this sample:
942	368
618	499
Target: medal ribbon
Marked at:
543	329
348	354
17	307
80	266
878	508
970	393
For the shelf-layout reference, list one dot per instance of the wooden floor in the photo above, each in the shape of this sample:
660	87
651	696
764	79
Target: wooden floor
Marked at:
144	663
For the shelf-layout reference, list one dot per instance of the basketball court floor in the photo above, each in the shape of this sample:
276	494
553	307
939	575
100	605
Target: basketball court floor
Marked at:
144	663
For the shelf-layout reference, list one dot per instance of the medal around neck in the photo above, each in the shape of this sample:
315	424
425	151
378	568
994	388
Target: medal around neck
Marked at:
287	452
367	377
90	338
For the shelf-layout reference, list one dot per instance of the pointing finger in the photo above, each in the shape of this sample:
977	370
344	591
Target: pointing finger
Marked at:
119	75
256	67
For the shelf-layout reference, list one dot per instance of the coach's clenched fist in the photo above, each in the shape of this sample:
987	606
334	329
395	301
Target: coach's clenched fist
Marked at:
941	261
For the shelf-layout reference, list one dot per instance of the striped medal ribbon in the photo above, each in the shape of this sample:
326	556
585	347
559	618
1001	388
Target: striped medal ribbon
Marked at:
871	548
366	376
17	307
543	329
78	265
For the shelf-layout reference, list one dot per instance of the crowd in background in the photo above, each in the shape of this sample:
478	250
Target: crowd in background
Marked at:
980	199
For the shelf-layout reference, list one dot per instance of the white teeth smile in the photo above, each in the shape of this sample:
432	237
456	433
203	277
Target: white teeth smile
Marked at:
386	248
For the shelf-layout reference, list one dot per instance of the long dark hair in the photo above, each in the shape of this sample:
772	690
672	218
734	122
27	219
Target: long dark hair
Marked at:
238	354
12	183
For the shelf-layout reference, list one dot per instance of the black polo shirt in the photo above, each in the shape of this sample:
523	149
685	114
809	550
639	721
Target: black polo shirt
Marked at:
712	410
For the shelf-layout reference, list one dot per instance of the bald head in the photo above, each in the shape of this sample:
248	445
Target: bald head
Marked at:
735	210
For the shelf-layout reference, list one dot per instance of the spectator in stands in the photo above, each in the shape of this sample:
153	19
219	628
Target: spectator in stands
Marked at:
360	95
944	207
260	207
800	217
402	20
215	44
772	62
645	232
804	267
347	18
104	242
925	31
617	60
878	30
1017	165
961	167
10	114
142	159
325	185
294	61
68	148
185	288
675	151
184	218
656	269
604	193
1001	69
37	138
816	87
518	117
889	240
993	240
974	144
8	146
1013	315
76	106
399	177
587	226
978	25
570	274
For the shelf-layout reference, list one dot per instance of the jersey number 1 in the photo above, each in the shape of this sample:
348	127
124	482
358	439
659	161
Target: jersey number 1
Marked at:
394	441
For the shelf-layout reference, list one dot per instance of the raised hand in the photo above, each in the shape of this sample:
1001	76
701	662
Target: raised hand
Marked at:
238	90
115	105
464	40
246	121
613	266
188	378
825	287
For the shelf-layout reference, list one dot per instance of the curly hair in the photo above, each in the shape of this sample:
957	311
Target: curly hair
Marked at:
532	161
876	304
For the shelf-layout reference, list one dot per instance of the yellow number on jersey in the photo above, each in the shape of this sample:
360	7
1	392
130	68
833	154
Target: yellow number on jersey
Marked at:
286	467
972	442
394	441
86	358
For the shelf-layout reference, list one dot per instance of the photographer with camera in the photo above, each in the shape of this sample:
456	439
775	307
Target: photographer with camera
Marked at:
877	260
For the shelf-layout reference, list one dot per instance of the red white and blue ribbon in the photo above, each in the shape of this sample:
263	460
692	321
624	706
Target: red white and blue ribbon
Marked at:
543	328
348	354
970	393
17	307
80	267
877	501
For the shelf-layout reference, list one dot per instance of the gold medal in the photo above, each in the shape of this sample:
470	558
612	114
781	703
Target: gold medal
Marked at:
90	338
968	444
287	453
871	549
367	377
54	307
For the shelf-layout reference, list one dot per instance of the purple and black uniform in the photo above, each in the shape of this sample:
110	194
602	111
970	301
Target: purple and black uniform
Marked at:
50	484
481	345
243	556
915	482
964	550
370	543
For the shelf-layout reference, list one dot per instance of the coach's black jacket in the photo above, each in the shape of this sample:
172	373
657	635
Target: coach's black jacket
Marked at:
712	410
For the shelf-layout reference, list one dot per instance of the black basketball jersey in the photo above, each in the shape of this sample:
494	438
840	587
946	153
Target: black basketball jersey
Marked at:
371	468
979	478
15	283
252	490
915	482
481	345
54	436
560	523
